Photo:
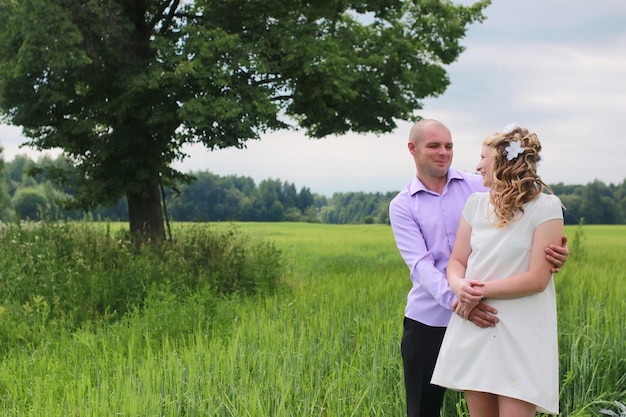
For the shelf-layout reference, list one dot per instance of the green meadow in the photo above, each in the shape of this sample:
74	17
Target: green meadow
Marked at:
324	342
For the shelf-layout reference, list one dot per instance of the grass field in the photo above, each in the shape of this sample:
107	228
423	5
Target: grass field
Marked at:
326	344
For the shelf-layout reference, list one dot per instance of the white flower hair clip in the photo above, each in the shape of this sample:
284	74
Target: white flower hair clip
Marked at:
513	150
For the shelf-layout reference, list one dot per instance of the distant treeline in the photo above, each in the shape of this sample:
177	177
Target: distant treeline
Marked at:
212	198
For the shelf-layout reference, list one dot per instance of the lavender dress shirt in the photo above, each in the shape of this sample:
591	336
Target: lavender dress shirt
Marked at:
424	225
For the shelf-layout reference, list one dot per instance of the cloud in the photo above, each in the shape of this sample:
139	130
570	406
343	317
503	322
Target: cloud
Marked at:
571	92
556	67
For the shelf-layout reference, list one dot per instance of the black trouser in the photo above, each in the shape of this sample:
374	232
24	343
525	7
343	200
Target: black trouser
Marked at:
420	347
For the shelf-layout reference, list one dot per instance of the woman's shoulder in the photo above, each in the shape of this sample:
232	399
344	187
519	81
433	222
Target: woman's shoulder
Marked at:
547	200
548	205
475	203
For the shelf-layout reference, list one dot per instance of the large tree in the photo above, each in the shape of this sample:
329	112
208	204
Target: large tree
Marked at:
121	85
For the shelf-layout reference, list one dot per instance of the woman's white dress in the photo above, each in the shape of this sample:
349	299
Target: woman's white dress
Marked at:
518	357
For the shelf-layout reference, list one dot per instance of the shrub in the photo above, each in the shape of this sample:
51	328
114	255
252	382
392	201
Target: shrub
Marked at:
82	272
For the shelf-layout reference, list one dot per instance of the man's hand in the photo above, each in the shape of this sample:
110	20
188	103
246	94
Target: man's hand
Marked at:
483	315
557	255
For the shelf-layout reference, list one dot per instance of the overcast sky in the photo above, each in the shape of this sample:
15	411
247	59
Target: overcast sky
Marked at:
557	67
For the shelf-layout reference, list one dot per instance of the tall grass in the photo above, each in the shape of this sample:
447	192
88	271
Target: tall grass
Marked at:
326	344
592	321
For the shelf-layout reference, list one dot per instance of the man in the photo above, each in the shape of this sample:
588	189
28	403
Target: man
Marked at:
424	218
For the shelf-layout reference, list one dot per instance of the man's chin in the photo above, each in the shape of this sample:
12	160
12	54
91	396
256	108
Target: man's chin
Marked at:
442	170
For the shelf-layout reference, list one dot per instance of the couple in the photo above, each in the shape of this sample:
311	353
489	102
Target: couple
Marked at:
498	238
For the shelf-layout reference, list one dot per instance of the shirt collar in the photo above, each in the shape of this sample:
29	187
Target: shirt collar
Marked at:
417	186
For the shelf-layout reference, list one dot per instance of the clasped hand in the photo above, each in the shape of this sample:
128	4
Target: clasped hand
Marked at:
468	295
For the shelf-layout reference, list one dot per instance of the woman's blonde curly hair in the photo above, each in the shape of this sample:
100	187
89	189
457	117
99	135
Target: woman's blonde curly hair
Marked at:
514	181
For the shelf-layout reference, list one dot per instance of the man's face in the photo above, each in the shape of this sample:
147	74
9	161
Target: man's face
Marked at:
433	151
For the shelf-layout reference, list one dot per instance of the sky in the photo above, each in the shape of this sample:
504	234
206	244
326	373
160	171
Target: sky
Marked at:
557	67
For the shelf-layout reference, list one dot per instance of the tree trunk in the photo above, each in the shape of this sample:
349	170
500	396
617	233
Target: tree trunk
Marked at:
145	214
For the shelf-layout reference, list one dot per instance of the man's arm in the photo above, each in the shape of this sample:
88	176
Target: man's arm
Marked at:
413	249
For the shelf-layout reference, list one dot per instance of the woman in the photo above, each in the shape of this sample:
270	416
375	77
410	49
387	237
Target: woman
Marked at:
511	369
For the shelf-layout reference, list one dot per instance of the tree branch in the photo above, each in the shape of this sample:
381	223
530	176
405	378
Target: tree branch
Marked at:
172	6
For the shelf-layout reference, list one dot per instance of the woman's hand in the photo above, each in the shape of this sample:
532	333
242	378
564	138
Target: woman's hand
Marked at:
468	294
